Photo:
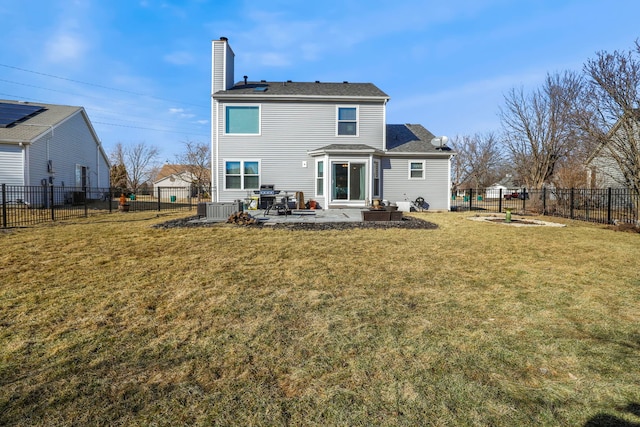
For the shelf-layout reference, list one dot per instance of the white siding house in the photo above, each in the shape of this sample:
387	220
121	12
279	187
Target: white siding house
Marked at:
329	141
51	145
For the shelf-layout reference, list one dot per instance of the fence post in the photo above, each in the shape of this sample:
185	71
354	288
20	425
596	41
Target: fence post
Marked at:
500	200
571	203
159	206
470	198
609	205
544	200
524	198
51	199
4	205
86	203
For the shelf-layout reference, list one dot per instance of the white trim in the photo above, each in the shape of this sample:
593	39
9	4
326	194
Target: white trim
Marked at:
224	124
423	170
324	178
357	108
376	167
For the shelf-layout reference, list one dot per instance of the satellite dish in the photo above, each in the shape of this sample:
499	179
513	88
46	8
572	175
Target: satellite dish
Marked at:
440	141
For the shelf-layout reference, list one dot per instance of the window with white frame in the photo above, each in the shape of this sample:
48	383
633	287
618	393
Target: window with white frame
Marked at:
347	121
242	120
376	178
416	169
241	175
319	178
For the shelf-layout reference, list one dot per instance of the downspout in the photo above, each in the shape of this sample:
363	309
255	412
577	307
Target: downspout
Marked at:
449	184
215	153
384	126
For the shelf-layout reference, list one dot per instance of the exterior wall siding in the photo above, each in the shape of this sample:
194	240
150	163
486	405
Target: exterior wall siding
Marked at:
434	188
289	130
69	144
12	170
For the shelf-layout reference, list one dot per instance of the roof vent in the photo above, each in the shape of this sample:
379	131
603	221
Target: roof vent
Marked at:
345	81
224	39
245	79
317	81
288	81
263	81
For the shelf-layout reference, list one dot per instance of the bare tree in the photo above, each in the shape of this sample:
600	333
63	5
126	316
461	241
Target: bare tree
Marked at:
539	127
478	160
138	160
196	161
613	115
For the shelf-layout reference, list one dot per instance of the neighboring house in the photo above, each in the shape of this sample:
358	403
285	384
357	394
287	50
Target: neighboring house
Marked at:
622	141
506	184
180	176
45	144
326	140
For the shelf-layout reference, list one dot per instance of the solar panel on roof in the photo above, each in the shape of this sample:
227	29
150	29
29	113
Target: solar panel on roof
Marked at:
12	113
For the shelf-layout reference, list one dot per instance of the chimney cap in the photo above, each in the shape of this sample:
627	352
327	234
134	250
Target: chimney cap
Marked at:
224	39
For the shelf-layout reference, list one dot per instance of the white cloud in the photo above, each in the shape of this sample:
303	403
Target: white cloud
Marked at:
65	47
179	58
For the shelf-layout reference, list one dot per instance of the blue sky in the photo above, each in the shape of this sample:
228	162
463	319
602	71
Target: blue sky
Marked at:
142	69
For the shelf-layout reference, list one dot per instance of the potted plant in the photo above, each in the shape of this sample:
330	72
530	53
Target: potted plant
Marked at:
123	206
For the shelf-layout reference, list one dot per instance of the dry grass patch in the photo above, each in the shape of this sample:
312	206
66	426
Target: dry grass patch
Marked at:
111	321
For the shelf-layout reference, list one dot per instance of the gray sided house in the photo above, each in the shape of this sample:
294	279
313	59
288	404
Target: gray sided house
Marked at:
329	141
621	147
45	144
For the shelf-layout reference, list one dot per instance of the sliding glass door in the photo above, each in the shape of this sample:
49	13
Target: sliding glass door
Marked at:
348	181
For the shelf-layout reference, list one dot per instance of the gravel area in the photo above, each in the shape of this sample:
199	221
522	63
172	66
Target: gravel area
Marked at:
407	222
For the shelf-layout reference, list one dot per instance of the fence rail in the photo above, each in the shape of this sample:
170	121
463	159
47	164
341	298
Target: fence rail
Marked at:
29	205
606	206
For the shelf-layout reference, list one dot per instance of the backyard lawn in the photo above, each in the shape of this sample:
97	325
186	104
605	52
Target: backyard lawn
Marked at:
109	321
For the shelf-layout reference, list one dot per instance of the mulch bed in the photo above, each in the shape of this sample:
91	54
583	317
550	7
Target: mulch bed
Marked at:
407	222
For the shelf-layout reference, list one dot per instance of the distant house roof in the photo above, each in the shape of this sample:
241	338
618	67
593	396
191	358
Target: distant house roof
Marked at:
412	138
168	170
39	123
265	90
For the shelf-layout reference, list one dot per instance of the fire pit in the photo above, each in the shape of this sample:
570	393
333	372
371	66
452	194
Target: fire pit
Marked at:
381	215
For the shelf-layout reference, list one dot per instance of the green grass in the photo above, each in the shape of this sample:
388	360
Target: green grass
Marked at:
108	321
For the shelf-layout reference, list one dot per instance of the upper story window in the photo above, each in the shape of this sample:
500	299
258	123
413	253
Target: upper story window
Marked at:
348	121
416	170
242	120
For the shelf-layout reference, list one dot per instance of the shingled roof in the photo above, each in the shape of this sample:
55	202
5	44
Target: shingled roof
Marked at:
303	89
411	138
37	124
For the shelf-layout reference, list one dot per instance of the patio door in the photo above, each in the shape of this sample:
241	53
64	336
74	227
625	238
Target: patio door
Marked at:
348	181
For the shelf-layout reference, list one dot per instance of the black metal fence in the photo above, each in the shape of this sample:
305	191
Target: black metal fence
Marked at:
605	206
29	205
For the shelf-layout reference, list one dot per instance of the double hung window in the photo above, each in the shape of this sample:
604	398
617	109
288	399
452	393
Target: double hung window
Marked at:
416	170
242	175
347	121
